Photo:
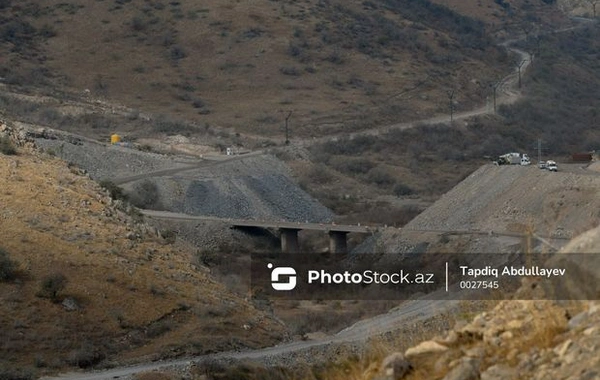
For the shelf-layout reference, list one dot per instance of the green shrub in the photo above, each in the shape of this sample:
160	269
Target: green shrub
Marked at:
7	147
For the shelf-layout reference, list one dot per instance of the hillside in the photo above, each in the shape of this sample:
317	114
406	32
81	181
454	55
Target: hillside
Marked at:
496	202
337	65
85	282
558	105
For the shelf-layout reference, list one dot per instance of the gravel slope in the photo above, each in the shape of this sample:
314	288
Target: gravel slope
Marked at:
106	161
256	187
501	199
505	198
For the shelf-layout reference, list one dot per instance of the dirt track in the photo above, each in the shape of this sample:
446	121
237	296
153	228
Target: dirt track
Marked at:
473	202
410	312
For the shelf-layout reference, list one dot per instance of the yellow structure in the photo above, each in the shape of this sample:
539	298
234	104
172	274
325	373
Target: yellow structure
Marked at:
115	139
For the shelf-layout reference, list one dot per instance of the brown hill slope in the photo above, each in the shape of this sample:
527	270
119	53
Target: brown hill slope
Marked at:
245	65
90	284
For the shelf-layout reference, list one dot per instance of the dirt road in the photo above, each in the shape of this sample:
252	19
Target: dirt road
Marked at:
507	92
208	161
409	312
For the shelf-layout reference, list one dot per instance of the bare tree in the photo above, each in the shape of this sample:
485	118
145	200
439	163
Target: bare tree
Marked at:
593	3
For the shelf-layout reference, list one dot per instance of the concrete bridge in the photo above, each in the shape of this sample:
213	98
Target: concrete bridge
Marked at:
288	230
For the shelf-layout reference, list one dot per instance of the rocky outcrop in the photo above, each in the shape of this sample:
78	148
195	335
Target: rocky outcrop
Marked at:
516	339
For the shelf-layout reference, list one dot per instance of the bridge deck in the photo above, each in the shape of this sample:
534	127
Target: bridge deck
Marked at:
327	227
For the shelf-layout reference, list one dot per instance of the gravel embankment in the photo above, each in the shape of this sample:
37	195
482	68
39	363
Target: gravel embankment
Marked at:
107	161
497	200
257	187
506	198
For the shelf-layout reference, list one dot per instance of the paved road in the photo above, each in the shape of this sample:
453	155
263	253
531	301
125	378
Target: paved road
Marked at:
412	311
264	223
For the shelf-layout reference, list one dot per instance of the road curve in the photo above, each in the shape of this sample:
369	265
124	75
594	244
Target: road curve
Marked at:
409	312
507	93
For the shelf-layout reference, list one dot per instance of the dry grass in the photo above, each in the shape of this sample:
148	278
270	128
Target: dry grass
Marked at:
196	60
548	322
136	297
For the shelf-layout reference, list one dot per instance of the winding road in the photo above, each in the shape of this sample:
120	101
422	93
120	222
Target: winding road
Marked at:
409	312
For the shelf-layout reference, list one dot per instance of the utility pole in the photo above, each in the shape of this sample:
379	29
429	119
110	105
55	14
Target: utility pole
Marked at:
451	98
519	69
287	131
539	149
495	88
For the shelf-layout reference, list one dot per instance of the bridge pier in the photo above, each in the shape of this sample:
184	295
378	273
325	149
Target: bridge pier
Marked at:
289	240
338	242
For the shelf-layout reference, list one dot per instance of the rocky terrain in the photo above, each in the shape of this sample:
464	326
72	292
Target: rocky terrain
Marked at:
511	340
516	339
101	161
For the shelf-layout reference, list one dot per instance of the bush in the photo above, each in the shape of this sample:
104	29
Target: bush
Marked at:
115	191
172	127
402	189
209	258
85	357
145	195
7	147
14	374
289	70
176	53
353	166
319	174
380	177
8	267
159	328
51	285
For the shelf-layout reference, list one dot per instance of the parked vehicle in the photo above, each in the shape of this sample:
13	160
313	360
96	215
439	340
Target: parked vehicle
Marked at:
551	165
542	164
513	159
